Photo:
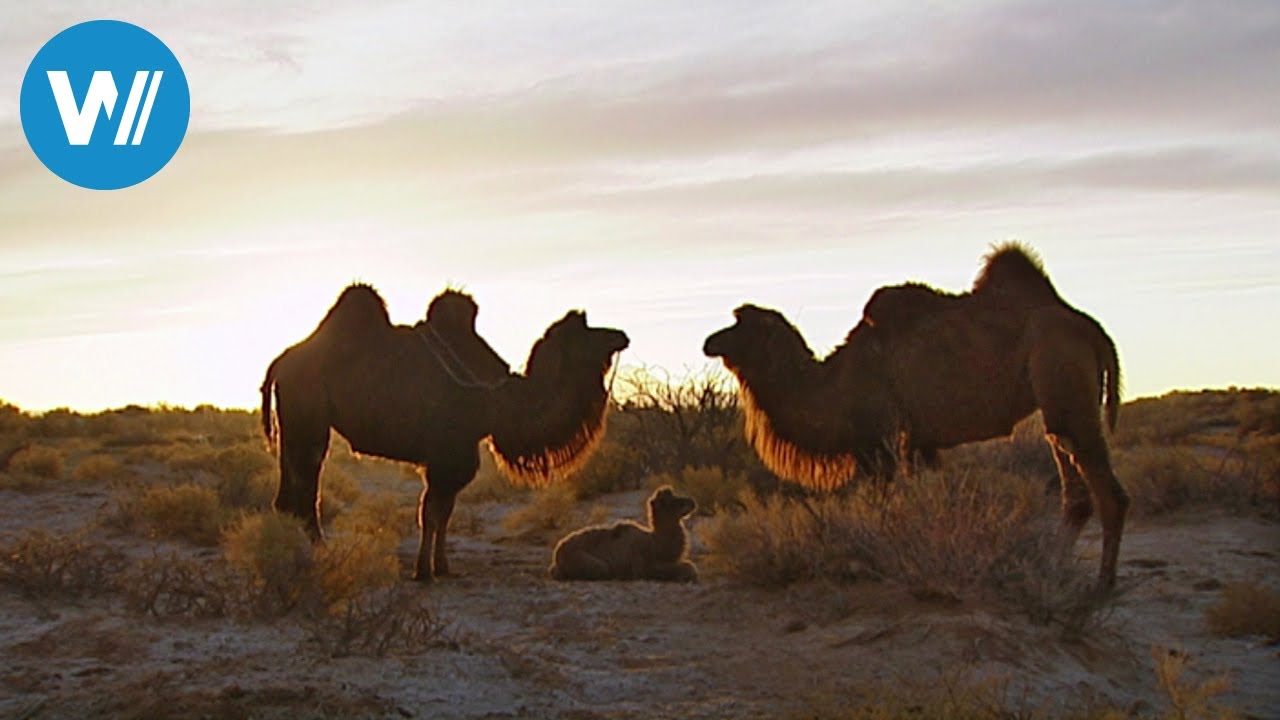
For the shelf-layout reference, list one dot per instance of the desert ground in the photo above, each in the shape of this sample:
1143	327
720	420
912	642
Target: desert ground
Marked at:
504	640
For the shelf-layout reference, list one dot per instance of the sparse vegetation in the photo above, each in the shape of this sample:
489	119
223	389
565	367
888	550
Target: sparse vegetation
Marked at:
1246	608
944	536
965	695
41	565
99	468
187	511
41	461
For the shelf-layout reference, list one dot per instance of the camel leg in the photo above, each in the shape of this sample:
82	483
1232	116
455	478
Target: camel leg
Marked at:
1088	453
1077	505
299	492
442	482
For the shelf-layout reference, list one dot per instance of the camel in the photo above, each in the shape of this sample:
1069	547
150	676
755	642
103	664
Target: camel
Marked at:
428	394
627	550
926	370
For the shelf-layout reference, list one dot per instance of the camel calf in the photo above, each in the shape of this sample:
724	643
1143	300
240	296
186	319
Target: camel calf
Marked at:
627	550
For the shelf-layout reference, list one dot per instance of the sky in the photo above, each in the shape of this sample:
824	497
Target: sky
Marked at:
656	164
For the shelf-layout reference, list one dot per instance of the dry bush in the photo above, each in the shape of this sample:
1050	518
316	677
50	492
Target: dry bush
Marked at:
1187	698
176	584
378	513
951	536
350	565
40	461
395	618
709	487
614	467
273	554
550	510
243	475
339	491
100	468
1246	608
963	695
187	511
953	695
43	565
1163	479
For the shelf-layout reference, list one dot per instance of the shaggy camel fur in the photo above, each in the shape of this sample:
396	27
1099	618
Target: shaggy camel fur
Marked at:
630	551
926	370
428	395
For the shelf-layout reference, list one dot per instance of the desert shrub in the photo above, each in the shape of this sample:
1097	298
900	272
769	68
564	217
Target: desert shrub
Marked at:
709	487
1187	698
397	617
187	511
273	554
1246	608
382	512
339	490
1258	411
41	565
350	565
550	510
243	475
941	535
177	584
614	467
99	468
965	695
40	461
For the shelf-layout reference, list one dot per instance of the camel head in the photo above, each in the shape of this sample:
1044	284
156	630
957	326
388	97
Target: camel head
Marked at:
571	349
667	507
795	422
759	339
551	419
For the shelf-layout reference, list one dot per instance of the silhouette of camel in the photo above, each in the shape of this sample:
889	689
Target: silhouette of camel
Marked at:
627	550
428	394
926	370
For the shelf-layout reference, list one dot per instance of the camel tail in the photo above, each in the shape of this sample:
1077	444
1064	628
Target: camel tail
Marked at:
1111	363
268	417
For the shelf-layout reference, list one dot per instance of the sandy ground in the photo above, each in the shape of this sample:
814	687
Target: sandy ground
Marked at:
520	645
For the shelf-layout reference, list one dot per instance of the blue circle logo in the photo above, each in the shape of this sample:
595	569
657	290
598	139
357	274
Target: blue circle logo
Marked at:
105	104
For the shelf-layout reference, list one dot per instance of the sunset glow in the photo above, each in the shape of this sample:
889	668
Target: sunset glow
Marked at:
656	165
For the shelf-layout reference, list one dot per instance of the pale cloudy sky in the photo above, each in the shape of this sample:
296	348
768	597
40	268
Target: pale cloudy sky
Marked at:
657	164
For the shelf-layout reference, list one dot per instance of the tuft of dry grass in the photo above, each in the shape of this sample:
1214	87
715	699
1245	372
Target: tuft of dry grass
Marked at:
41	461
42	565
177	584
274	556
710	487
100	469
944	536
549	510
188	511
1246	608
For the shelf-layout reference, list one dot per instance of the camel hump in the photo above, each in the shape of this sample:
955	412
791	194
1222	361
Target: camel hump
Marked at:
900	307
358	310
1014	271
452	315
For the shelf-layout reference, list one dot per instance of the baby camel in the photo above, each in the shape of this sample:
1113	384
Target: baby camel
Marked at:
628	550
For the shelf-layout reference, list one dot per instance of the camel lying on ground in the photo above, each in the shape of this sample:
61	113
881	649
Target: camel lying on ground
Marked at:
627	550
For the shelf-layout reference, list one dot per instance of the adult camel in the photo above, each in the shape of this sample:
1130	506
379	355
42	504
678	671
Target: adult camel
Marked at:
428	394
926	370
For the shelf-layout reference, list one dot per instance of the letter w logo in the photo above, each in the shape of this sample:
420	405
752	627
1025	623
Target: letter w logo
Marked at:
79	122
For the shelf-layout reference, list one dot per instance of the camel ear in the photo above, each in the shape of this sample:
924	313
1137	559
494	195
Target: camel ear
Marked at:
576	317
